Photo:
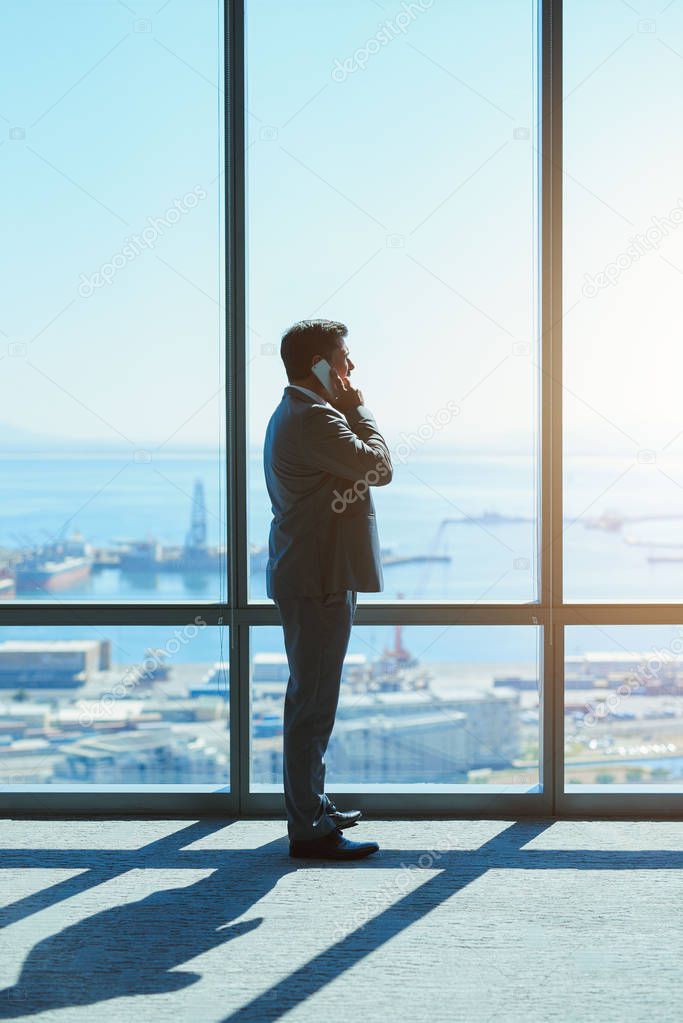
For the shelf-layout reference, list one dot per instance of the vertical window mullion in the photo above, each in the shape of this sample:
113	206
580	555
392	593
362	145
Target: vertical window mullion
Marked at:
551	533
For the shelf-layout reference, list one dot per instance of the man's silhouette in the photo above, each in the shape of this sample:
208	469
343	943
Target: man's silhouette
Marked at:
322	454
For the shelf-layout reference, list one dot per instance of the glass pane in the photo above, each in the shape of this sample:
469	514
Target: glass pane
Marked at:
114	706
110	339
392	186
623	706
419	705
623	260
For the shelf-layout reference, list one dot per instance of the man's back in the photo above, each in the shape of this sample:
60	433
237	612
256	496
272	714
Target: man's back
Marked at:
320	460
319	465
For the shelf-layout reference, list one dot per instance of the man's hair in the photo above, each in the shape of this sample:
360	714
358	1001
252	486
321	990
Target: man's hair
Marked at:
306	339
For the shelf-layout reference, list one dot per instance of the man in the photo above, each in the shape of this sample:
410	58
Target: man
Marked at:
322	454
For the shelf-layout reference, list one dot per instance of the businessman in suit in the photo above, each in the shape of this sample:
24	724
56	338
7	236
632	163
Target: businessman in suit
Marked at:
323	452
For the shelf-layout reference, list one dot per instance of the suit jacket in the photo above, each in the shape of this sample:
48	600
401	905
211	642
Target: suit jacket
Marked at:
319	465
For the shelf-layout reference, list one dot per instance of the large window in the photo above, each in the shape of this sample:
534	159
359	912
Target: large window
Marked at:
420	706
622	267
113	428
623	479
623	707
486	194
112	425
392	184
132	706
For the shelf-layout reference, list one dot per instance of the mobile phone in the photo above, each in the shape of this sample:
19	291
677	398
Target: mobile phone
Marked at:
322	370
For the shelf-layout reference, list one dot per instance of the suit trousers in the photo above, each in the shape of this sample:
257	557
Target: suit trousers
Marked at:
317	631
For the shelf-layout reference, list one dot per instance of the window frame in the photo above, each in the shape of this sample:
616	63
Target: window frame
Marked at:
550	612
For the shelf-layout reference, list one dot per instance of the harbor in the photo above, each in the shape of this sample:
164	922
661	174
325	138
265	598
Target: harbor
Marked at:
127	565
66	562
448	718
69	713
72	711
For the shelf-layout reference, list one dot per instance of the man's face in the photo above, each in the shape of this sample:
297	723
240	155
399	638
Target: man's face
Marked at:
341	361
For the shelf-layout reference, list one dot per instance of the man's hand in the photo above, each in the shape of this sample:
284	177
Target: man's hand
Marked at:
345	396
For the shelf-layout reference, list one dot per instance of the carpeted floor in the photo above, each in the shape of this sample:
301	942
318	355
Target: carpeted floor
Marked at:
454	920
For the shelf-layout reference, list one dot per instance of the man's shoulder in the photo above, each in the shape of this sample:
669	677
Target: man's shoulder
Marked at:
323	419
304	416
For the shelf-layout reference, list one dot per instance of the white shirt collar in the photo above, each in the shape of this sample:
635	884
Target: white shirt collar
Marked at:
311	394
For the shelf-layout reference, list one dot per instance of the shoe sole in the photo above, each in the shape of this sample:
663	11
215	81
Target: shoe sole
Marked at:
338	859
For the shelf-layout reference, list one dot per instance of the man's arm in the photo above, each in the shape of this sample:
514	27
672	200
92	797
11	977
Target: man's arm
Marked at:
354	451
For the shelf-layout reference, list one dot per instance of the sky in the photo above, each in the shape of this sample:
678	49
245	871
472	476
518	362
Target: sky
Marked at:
623	157
391	184
112	113
109	117
387	189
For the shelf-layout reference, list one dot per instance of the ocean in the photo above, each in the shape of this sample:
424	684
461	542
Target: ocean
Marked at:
112	497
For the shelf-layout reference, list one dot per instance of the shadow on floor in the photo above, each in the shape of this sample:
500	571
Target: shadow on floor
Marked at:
140	947
135	948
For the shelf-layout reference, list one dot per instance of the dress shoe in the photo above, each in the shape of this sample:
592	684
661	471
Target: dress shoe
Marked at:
343	818
332	847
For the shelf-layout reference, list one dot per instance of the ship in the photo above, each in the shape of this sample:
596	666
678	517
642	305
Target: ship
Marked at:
194	557
139	555
57	565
